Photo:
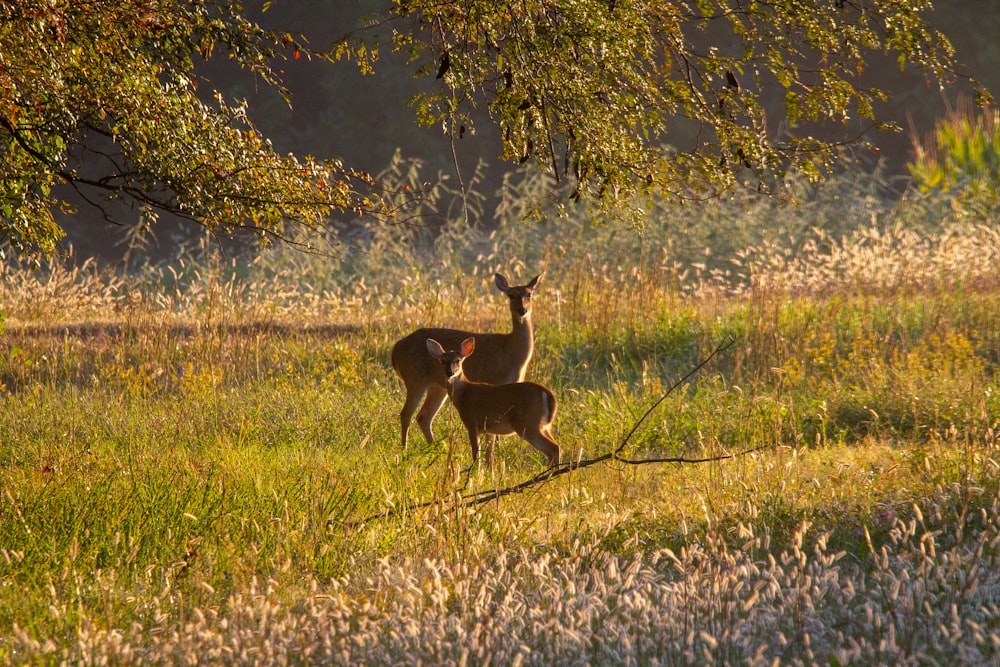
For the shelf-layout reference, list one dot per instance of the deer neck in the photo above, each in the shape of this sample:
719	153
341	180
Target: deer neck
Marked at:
457	385
522	336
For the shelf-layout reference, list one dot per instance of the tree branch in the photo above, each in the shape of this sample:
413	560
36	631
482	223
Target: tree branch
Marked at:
480	497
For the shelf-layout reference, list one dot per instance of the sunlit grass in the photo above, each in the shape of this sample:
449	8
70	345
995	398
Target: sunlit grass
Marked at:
202	462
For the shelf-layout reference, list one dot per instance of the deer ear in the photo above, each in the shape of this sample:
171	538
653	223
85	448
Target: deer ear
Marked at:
434	348
534	281
501	282
468	345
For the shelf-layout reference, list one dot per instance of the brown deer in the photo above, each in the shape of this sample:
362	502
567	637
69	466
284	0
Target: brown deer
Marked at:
502	358
524	408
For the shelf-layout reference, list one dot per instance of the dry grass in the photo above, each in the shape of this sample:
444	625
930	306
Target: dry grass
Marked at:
925	597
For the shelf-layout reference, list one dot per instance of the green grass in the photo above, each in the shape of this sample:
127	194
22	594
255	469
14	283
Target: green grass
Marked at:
213	470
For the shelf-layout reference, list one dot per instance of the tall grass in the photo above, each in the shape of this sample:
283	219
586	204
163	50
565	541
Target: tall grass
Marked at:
200	460
922	600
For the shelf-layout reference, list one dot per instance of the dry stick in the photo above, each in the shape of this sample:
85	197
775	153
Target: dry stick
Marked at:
480	497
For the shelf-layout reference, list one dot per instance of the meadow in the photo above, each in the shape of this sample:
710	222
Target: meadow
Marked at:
200	459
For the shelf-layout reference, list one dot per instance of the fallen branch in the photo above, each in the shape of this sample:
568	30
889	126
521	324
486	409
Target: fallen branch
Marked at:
480	497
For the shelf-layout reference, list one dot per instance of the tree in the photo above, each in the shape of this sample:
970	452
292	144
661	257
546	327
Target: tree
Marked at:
592	89
104	100
99	102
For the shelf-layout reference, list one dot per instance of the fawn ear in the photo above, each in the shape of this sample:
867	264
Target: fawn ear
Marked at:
468	345
501	282
534	281
434	348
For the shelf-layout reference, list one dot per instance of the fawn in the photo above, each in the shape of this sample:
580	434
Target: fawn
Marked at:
502	358
524	408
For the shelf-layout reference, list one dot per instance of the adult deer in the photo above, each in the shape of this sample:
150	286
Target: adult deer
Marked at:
502	358
524	408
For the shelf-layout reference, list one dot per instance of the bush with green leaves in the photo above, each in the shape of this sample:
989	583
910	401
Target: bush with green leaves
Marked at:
960	160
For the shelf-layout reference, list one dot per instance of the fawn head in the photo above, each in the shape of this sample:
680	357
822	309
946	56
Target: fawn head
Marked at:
451	361
519	295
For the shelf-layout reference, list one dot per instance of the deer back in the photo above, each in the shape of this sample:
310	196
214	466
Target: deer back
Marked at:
506	408
499	358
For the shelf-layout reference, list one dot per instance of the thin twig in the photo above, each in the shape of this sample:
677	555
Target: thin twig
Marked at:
725	345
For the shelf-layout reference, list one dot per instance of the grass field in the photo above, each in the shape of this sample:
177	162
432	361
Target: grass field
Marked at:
200	462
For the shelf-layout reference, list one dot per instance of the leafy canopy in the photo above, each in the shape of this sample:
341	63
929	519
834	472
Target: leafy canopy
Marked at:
593	90
101	98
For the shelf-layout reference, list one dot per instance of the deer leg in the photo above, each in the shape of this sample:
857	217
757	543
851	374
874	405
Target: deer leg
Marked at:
413	396
436	397
544	443
474	443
